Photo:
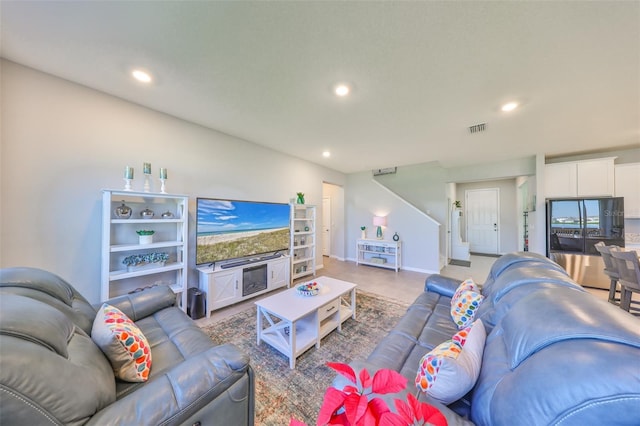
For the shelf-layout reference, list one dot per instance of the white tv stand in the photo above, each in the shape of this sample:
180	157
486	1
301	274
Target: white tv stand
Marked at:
223	283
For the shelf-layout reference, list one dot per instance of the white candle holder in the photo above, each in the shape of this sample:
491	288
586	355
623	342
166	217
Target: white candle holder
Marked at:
147	184
127	184
162	186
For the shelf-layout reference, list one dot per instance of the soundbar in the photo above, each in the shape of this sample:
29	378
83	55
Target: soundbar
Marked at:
248	261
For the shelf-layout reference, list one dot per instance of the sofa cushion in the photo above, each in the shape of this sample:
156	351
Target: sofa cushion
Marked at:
173	338
123	343
516	282
569	317
51	372
450	370
574	363
50	289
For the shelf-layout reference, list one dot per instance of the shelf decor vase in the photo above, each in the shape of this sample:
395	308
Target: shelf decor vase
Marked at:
300	199
145	239
364	235
123	211
145	236
147	213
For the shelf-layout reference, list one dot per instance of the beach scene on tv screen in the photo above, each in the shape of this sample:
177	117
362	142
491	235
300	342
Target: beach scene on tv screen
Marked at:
232	229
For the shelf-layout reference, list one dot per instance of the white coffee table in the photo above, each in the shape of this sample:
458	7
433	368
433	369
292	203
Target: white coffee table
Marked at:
294	323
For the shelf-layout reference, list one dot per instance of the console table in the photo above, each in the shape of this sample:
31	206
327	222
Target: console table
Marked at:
382	253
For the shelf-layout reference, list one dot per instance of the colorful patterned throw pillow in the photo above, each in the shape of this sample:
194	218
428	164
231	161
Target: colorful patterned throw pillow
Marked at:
464	307
123	343
451	369
467	284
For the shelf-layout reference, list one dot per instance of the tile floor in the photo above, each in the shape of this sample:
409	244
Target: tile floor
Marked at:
403	285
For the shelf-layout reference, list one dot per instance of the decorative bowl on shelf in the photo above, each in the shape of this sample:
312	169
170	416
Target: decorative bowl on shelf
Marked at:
308	289
167	215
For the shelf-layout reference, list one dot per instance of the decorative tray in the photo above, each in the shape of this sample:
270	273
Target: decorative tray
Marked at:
308	289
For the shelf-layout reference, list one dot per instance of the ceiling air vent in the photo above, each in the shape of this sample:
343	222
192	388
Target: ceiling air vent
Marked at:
478	128
387	171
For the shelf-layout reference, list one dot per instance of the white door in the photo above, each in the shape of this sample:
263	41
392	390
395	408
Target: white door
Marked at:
326	226
482	220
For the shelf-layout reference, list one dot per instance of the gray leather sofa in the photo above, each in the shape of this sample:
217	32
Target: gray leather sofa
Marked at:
51	372
554	353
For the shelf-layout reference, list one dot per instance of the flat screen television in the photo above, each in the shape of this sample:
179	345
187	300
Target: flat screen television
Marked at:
232	229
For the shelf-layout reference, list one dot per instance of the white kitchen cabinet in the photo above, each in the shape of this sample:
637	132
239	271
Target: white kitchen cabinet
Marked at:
627	181
596	177
560	180
586	178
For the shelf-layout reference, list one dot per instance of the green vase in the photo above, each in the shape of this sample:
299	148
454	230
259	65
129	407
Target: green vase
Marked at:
300	199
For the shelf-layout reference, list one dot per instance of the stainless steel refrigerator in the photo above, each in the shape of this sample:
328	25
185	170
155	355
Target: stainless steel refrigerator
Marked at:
574	226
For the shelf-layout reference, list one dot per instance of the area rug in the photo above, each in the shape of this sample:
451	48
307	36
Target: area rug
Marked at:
457	262
281	392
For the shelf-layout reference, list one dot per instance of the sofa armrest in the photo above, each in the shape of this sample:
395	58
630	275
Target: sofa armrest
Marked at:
174	396
442	285
144	303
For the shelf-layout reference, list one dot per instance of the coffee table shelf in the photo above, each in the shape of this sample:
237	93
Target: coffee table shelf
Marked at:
278	337
292	323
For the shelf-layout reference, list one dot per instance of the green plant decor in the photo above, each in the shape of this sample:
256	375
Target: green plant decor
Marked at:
300	199
457	204
137	259
145	232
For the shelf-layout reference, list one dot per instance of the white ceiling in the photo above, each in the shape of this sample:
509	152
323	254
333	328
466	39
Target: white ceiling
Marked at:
422	72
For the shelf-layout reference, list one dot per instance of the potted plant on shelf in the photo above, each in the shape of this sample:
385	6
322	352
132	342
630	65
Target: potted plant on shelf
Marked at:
145	236
300	199
364	232
137	262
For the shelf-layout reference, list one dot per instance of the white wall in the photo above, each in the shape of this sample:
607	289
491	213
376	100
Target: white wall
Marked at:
62	143
365	198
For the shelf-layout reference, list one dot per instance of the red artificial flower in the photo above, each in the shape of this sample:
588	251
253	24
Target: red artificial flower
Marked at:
351	406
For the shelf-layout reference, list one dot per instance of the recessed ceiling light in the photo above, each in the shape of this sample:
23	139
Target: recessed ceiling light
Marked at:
326	154
342	90
509	106
141	76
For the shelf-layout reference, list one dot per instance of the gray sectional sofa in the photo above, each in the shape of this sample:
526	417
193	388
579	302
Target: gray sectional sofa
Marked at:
51	371
554	353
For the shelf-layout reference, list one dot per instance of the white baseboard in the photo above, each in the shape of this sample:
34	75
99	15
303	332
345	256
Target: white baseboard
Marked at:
406	268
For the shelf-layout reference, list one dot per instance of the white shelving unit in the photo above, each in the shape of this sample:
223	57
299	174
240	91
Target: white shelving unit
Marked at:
119	240
385	254
303	240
